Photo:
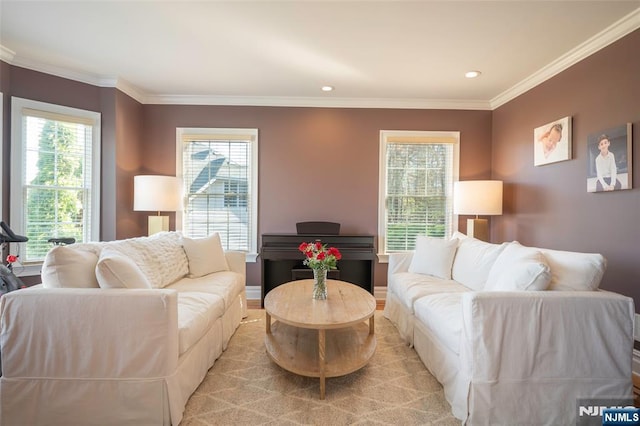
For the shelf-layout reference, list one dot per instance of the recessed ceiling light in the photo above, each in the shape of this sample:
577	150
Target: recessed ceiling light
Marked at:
472	74
327	88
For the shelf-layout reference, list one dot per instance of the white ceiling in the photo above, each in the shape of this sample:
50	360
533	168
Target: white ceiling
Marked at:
375	53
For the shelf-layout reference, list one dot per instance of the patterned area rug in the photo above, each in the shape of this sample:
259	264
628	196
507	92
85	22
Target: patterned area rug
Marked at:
244	387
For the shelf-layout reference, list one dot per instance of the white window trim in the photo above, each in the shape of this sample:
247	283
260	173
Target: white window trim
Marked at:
383	257
252	255
16	193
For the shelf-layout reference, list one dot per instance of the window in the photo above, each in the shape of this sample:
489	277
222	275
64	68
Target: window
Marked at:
417	171
55	176
235	194
219	169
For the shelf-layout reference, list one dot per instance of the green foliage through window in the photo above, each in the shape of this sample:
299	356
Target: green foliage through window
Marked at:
55	194
419	181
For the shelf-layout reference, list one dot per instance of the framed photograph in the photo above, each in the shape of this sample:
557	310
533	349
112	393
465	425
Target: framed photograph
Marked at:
609	160
552	142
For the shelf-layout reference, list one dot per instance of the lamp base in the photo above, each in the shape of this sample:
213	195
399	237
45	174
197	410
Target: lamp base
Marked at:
478	228
158	224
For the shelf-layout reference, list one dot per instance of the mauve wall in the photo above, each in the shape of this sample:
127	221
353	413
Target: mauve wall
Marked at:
548	206
316	163
121	128
128	163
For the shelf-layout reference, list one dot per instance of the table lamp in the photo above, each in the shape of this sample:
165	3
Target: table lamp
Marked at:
479	198
159	194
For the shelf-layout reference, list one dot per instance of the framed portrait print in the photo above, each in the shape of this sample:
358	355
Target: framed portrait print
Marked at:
552	142
609	160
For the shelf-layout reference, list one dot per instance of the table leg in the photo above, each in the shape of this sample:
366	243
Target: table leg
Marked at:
321	360
268	322
371	325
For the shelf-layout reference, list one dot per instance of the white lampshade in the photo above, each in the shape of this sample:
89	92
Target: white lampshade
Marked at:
477	197
157	193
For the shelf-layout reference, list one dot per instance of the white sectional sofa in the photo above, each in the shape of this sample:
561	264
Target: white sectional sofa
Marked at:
119	333
516	335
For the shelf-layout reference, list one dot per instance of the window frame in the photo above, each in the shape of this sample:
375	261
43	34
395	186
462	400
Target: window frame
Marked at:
17	200
213	133
418	137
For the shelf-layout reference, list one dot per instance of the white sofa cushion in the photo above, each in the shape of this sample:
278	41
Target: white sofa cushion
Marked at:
205	255
114	270
226	284
519	268
409	287
160	256
574	271
433	256
473	261
70	267
196	314
442	315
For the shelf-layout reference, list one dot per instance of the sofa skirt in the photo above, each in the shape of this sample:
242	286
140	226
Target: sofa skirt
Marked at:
400	316
194	364
445	367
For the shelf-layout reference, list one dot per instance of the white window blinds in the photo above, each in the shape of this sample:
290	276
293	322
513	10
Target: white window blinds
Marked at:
219	172
417	174
55	179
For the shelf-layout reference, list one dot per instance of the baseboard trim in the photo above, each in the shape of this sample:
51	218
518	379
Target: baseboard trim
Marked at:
254	294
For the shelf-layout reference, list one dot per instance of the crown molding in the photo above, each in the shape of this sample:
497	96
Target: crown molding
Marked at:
131	90
322	102
79	76
6	55
614	32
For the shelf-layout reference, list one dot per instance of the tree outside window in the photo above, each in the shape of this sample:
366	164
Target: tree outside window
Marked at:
417	172
55	195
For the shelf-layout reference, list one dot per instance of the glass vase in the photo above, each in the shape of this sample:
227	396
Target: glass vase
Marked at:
320	284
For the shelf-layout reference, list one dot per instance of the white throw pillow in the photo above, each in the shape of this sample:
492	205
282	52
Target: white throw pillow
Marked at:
575	271
459	236
473	262
69	267
205	255
114	270
433	256
519	268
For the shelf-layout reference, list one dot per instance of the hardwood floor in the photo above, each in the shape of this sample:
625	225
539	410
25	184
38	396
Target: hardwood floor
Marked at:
253	304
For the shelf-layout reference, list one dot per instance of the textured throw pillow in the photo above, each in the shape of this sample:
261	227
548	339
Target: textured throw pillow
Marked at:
433	256
519	268
205	255
160	257
69	267
115	270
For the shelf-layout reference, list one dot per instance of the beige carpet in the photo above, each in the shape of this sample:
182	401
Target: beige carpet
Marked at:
244	387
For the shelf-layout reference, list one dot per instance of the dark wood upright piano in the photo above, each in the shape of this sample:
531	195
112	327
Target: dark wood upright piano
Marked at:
282	261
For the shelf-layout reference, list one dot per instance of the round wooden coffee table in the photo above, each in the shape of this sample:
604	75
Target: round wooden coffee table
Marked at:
320	338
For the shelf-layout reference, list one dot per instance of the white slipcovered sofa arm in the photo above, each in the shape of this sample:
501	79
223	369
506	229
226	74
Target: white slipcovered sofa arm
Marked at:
560	344
89	333
237	261
399	262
